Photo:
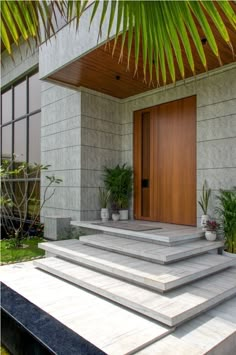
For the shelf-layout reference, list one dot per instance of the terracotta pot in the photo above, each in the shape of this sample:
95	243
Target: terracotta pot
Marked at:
210	236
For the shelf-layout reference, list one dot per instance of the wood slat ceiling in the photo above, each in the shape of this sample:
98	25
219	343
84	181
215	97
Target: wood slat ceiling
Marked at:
100	71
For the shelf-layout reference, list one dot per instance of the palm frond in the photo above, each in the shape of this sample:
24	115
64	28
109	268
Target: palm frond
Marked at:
162	33
162	30
28	19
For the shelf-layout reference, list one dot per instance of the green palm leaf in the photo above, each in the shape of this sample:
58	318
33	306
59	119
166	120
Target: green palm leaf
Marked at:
159	31
21	19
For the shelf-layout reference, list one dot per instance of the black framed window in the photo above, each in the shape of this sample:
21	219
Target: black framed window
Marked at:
6	106
20	101
20	125
34	138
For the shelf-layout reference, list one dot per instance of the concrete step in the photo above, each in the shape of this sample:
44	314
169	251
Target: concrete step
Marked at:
171	309
211	333
150	252
146	274
162	233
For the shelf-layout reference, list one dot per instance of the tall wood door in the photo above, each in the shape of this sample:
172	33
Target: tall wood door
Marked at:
165	162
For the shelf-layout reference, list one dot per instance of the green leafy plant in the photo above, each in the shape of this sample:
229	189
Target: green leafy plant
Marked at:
118	181
159	34
204	199
104	196
226	212
18	190
123	202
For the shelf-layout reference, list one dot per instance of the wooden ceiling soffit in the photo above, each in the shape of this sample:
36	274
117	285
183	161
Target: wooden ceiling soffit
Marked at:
102	72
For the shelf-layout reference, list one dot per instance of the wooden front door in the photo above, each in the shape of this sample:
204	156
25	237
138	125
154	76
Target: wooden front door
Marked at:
165	162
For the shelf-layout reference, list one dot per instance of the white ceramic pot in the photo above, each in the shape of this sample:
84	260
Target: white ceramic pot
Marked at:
210	236
124	215
105	214
115	217
204	220
226	253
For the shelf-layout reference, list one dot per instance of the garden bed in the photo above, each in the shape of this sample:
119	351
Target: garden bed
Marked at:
29	252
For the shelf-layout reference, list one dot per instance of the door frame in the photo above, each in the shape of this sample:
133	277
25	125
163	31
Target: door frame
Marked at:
137	153
137	163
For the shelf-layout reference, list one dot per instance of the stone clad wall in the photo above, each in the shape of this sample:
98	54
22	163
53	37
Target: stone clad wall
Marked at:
100	146
82	131
97	130
60	148
81	134
216	125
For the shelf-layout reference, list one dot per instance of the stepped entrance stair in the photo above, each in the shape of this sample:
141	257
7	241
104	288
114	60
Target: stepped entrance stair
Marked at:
165	278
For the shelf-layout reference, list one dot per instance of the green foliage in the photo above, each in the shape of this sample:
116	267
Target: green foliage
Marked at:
19	181
204	199
160	33
21	19
226	212
104	196
10	252
118	181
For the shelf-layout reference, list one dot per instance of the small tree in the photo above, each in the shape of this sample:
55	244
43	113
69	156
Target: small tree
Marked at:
17	195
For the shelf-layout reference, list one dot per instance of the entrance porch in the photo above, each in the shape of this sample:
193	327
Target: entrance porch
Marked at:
131	292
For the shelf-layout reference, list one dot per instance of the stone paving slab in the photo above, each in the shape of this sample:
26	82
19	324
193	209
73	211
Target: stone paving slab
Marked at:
213	333
113	329
167	235
121	331
146	274
171	309
148	251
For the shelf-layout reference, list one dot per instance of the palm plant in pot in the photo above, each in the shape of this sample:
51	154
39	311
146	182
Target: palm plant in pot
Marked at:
119	181
203	202
123	205
226	212
104	196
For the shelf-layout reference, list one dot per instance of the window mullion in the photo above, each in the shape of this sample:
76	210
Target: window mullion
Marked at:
12	124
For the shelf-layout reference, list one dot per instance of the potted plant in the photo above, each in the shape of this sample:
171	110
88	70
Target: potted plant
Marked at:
226	212
203	202
123	205
115	213
104	196
119	181
211	228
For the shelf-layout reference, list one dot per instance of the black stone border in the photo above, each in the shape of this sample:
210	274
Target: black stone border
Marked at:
30	330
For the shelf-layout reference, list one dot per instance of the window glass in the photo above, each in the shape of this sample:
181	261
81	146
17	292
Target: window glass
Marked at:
34	93
23	135
7	106
7	142
34	138
20	99
20	140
